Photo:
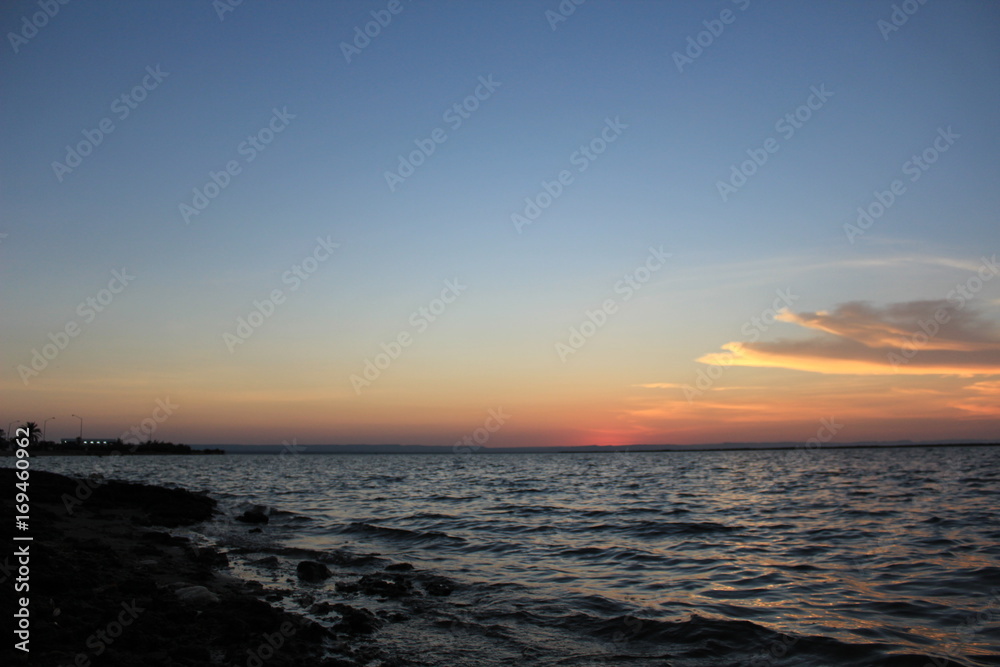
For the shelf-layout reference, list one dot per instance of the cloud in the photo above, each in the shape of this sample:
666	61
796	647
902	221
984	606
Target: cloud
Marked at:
917	337
985	399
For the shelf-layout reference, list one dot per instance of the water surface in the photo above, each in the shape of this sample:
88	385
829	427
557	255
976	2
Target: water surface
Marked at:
805	557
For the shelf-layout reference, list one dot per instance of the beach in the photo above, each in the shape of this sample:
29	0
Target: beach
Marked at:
108	585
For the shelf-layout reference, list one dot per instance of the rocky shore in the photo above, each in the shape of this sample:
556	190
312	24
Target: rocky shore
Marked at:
109	586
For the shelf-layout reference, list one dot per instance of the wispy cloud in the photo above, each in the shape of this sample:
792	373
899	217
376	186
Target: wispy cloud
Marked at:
916	337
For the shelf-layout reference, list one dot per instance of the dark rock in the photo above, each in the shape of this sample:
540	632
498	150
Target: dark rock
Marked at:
78	585
321	608
393	616
163	507
210	556
310	570
255	530
196	595
439	586
255	515
356	621
399	567
164	539
386	585
268	561
347	587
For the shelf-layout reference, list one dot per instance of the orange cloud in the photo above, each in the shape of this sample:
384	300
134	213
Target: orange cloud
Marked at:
913	338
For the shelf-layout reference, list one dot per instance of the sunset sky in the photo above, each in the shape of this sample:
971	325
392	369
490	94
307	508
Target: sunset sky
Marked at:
169	168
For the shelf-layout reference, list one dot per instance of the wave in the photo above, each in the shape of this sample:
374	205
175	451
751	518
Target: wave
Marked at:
399	533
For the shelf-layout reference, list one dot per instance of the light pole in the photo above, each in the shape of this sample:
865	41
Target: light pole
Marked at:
43	427
9	439
81	427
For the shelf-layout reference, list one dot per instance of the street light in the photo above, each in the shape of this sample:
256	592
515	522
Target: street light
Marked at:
81	426
43	427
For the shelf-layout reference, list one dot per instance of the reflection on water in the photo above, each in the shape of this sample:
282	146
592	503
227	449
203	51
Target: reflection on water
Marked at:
893	547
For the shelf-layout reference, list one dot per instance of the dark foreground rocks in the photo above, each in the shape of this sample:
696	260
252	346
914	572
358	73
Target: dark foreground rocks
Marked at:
255	515
106	588
309	570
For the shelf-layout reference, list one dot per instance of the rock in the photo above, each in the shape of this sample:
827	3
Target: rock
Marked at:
399	567
271	562
347	587
164	539
255	515
393	616
163	507
310	570
439	586
210	556
321	608
386	585
356	621
255	530
197	595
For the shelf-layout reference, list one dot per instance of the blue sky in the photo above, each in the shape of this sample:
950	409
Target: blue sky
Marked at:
324	176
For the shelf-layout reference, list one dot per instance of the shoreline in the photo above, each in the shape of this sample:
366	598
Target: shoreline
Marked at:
109	586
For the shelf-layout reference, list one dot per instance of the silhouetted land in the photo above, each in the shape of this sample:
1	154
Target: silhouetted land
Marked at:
109	587
117	449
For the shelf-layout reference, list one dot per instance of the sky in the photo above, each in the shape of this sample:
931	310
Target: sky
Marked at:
529	223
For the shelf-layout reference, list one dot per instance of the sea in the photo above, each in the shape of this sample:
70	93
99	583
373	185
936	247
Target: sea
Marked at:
805	557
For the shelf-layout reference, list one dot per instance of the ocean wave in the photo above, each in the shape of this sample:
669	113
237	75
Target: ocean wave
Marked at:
400	533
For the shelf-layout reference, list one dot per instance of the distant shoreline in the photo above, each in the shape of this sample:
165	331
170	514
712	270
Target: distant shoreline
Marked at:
591	449
316	450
